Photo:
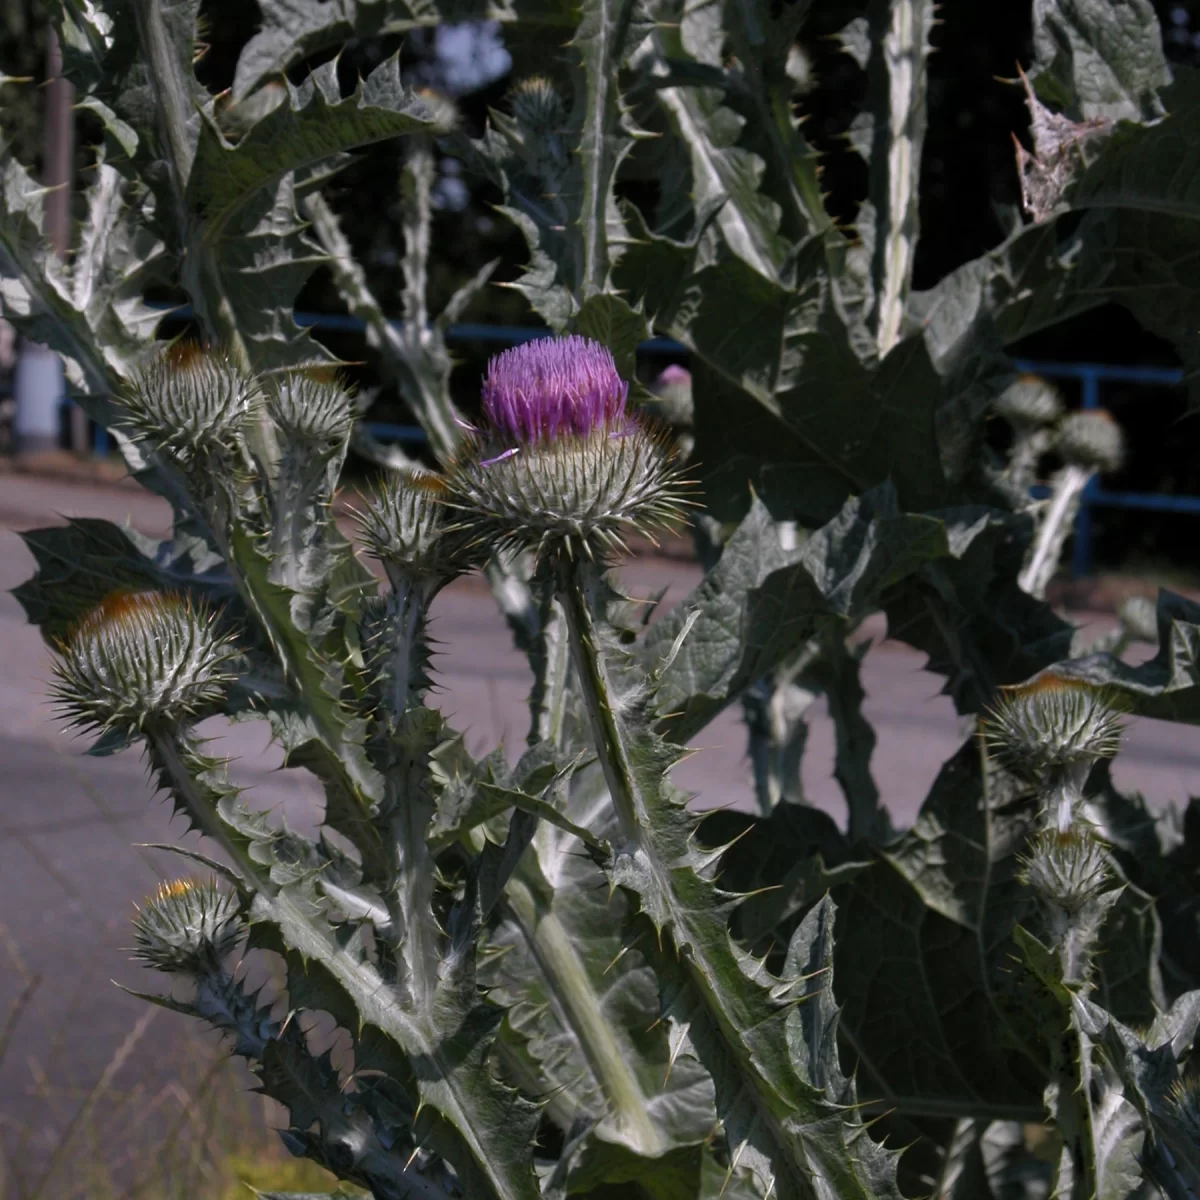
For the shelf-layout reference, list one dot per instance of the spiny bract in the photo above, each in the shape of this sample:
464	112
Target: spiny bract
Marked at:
141	656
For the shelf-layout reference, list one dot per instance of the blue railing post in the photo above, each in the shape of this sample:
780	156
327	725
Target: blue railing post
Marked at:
1081	552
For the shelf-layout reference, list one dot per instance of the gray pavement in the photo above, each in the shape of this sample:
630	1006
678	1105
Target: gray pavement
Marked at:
70	871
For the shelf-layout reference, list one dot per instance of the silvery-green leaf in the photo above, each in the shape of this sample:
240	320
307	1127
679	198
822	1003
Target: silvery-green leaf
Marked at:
1099	59
722	170
764	599
568	964
1168	685
250	249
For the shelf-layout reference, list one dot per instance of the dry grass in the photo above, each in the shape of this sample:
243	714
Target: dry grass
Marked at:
198	1133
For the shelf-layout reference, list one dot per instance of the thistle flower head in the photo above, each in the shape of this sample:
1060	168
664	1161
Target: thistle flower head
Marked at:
404	523
188	402
559	458
1067	869
1029	402
1053	721
312	409
186	927
1091	438
551	387
141	656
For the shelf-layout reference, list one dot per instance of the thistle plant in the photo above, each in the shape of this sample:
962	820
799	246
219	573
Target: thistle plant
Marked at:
554	977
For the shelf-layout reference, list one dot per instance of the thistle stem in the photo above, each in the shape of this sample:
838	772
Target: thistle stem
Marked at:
585	646
1052	533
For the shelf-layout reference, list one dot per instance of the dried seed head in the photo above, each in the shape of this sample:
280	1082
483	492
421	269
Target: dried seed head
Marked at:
1068	870
188	402
537	107
311	409
559	458
1029	403
1091	438
186	927
404	522
1053	721
141	656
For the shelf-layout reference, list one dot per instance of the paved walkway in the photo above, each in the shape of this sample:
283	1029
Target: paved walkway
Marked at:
70	872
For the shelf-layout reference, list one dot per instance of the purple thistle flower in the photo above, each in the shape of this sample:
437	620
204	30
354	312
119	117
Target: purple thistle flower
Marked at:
550	387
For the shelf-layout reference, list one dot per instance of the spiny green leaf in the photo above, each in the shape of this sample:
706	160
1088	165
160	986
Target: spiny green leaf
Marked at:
1168	685
1155	168
436	1045
282	615
92	313
722	170
82	562
763	601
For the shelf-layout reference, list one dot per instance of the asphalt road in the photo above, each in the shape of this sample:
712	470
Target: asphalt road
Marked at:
70	870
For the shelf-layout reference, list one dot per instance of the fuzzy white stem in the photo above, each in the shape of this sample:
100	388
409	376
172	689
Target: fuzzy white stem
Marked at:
1052	532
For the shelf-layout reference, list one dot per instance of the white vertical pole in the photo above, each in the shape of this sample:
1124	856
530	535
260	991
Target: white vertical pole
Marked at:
38	380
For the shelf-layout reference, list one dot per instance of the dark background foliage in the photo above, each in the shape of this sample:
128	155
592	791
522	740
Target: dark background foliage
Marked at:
969	195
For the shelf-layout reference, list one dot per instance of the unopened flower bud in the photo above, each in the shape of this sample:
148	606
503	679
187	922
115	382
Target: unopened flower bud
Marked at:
186	927
404	523
559	459
1029	402
1091	438
312	410
1068	870
188	402
1051	722
537	107
139	657
672	396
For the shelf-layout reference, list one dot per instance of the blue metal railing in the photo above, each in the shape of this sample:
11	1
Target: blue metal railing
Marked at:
1090	376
